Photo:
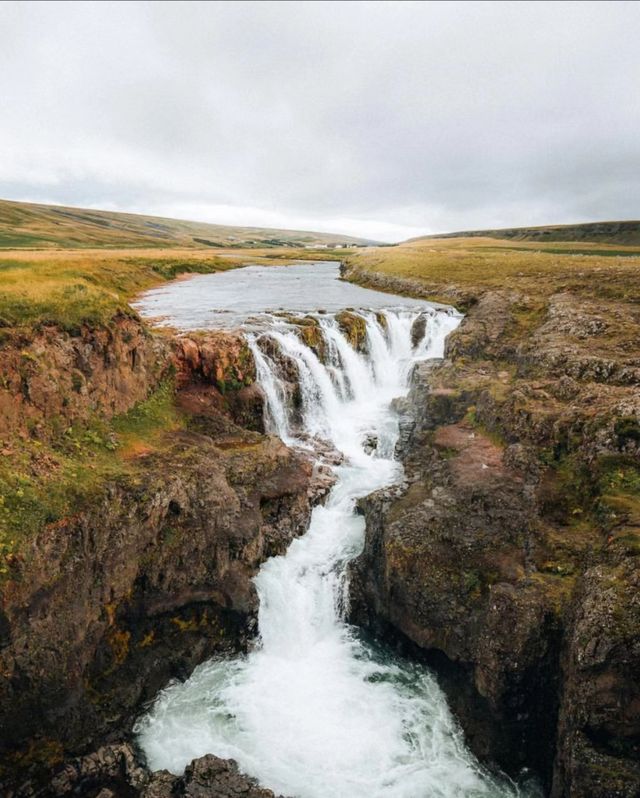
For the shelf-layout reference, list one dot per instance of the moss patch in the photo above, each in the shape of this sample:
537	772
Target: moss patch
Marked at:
43	483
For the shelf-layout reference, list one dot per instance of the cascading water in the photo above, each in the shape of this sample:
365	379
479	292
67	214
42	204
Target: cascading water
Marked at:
314	710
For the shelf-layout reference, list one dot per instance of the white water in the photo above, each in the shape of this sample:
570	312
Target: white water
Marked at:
314	710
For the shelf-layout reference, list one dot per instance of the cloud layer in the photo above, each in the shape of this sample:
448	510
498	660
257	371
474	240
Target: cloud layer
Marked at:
372	118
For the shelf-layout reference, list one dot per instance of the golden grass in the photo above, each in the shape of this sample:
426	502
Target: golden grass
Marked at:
69	287
601	270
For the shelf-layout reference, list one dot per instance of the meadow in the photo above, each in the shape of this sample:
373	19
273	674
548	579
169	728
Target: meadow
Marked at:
476	264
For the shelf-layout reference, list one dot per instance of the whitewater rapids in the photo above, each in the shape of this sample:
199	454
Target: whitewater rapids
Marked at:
314	710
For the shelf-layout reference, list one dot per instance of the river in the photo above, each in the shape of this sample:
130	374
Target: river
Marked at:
316	709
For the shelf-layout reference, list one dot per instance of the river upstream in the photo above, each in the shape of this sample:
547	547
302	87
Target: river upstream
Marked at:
316	710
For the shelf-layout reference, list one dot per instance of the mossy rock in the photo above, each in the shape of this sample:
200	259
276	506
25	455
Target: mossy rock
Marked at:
354	328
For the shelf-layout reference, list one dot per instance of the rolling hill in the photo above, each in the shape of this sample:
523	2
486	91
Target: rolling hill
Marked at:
624	232
33	226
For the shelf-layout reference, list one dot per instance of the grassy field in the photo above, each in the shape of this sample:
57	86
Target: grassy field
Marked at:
28	225
476	264
68	287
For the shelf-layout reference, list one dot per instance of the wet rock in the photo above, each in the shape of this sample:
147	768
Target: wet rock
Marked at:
116	765
322	481
119	771
370	444
354	328
162	784
211	776
418	330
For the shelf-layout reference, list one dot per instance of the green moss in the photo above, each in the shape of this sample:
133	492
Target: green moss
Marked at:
619	500
354	327
627	428
79	461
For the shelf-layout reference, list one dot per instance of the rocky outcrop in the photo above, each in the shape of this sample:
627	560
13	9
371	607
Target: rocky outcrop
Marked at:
118	769
152	571
508	558
216	370
453	294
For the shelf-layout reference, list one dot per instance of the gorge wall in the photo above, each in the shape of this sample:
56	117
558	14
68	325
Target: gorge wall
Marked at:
150	572
509	558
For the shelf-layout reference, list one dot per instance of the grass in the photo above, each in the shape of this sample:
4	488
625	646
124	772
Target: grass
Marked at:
479	264
41	483
53	227
69	287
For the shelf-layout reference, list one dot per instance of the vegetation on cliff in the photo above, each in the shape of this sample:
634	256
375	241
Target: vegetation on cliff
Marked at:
512	557
44	481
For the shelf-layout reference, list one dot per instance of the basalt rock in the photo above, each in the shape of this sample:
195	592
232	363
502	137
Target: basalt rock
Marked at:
118	770
507	559
152	572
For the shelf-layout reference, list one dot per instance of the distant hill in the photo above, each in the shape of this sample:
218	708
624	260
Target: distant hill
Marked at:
627	232
29	225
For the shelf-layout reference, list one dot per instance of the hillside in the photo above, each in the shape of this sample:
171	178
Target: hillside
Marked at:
626	232
459	269
28	225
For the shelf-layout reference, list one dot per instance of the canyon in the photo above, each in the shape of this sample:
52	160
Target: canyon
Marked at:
504	560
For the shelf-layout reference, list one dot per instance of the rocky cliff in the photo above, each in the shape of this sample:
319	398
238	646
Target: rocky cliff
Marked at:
509	558
150	571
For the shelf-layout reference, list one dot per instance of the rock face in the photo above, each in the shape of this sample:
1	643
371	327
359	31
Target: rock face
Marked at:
216	370
508	558
151	576
117	770
52	378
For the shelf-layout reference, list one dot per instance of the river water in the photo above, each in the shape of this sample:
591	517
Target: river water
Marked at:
316	710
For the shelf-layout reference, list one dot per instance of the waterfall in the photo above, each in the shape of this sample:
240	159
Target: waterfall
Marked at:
314	710
275	396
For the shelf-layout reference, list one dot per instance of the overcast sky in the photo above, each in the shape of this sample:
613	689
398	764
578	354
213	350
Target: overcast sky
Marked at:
371	118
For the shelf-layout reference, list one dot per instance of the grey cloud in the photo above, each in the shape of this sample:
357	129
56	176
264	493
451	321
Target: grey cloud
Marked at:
428	116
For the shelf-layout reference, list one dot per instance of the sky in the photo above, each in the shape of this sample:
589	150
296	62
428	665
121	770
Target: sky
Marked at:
377	119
